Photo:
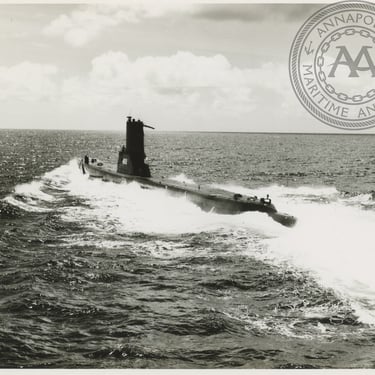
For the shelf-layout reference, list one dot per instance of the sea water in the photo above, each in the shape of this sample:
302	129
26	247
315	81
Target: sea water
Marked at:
102	275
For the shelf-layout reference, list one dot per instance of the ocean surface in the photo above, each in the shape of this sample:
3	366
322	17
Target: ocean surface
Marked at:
101	275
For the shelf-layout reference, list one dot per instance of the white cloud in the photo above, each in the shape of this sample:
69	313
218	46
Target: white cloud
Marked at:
78	28
178	91
84	24
182	83
179	71
178	78
28	81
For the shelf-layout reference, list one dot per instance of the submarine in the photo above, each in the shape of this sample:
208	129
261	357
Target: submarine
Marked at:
131	166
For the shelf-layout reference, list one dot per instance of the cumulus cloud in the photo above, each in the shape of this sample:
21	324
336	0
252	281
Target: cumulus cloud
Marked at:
28	81
179	71
87	22
180	81
181	89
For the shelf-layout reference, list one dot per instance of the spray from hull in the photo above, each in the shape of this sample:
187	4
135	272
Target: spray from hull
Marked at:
131	166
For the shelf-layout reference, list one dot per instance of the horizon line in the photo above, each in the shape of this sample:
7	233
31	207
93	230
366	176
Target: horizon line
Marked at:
349	132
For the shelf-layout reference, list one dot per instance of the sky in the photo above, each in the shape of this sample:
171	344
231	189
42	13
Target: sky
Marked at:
176	65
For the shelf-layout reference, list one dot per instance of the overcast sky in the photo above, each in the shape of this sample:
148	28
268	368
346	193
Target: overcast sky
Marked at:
178	67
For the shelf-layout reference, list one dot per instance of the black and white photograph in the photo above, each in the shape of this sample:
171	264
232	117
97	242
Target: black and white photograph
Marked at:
187	185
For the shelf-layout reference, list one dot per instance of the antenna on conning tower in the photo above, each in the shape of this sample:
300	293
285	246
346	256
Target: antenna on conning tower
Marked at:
148	126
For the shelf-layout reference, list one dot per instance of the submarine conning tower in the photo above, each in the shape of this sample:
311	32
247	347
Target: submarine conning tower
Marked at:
131	158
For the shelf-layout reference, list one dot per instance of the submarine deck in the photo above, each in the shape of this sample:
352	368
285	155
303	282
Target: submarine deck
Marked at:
206	197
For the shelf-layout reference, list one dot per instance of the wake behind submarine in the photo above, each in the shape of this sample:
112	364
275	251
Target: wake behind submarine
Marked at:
131	166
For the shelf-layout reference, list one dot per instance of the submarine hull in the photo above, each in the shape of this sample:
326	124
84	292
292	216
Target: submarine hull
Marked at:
208	199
